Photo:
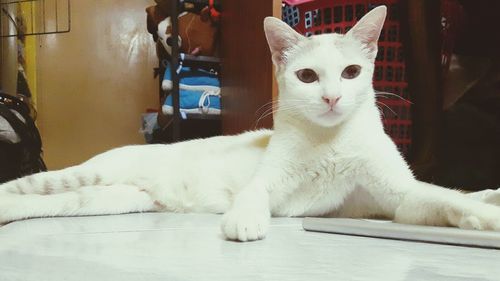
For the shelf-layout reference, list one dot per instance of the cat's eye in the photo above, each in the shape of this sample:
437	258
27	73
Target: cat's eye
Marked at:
351	72
307	75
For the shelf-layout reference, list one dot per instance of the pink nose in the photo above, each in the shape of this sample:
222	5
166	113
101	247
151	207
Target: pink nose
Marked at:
331	101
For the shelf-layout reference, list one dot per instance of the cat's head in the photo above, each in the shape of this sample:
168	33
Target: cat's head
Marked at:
325	77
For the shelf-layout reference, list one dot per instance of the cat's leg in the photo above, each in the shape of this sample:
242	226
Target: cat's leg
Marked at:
88	200
433	205
384	174
490	196
406	200
248	218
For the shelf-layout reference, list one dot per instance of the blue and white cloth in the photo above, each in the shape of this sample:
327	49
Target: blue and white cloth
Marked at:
200	102
192	79
199	91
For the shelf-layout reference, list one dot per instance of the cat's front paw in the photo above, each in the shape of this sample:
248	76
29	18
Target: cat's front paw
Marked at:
487	219
245	224
492	197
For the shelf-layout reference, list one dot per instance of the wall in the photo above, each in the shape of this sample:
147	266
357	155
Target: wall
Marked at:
247	80
8	55
30	47
94	82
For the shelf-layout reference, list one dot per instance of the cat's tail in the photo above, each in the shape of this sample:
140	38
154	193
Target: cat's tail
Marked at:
54	181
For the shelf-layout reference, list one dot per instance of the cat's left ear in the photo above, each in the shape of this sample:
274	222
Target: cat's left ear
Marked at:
367	30
280	37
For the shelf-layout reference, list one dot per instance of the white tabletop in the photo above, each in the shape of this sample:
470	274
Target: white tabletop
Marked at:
162	246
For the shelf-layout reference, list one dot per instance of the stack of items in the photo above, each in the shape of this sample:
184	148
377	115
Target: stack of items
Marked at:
197	25
199	89
197	34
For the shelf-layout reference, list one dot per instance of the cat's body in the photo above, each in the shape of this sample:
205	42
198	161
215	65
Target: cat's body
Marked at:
327	156
204	175
193	176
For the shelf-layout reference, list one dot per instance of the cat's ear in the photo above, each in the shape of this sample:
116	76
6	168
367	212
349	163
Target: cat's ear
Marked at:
367	30
280	37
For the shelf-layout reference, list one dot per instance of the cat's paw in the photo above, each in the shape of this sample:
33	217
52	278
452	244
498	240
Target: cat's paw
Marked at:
484	219
245	224
492	197
479	223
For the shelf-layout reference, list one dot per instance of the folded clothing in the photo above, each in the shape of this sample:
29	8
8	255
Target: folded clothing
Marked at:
195	101
192	79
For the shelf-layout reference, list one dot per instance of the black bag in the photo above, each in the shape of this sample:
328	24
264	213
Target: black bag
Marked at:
22	156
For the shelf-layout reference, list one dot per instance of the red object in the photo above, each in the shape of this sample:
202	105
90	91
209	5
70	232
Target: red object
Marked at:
213	12
311	17
296	2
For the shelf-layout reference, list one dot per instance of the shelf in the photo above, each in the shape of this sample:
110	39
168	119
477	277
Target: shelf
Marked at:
189	60
195	127
192	116
195	116
193	61
175	60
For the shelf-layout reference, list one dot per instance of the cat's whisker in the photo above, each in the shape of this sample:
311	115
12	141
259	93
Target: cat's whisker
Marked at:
290	108
270	104
275	103
388	107
273	108
266	113
263	107
385	94
285	108
268	110
380	110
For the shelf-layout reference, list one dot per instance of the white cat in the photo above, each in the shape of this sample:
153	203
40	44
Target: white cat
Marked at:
328	155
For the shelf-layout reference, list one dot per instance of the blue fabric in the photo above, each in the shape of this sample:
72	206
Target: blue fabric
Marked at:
194	77
190	100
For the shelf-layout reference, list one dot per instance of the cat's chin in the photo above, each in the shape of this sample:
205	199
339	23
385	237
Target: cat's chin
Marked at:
328	119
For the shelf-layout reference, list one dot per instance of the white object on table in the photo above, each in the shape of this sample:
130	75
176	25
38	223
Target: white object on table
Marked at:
390	230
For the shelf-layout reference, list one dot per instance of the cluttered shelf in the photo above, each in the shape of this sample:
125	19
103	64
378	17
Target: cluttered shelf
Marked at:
185	33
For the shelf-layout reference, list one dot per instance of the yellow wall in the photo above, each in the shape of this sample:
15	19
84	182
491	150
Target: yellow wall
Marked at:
94	82
30	51
9	61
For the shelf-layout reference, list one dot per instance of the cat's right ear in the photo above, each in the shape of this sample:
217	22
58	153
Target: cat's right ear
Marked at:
280	37
367	30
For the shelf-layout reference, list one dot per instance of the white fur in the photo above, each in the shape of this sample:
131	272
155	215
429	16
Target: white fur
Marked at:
318	161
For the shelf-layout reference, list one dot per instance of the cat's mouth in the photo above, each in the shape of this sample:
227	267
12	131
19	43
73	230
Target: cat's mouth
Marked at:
331	112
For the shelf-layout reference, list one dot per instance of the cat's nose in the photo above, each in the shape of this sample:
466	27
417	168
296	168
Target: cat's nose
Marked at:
331	101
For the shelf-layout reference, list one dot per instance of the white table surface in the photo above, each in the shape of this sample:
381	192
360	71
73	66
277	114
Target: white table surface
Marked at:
163	246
